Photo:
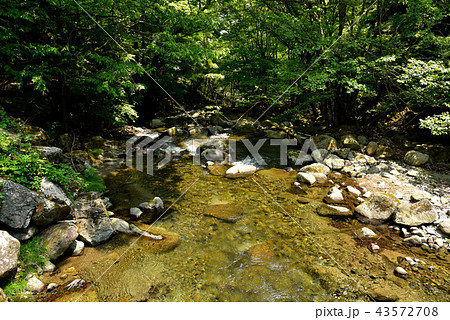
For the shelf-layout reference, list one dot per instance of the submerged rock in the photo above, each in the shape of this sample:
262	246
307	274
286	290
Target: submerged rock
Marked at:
240	171
367	233
224	211
377	207
9	254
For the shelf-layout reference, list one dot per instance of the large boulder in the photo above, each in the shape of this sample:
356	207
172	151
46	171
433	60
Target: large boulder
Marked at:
9	254
316	168
349	141
378	207
416	214
93	222
325	142
52	154
240	171
415	158
54	206
58	238
18	205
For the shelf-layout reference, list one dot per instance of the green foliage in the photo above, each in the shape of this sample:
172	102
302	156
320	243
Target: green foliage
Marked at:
96	152
438	124
21	163
31	259
93	181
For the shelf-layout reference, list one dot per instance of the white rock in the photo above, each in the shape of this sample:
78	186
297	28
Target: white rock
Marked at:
52	286
401	271
306	177
35	285
399	195
336	194
353	191
339	209
367	194
240	171
415	240
78	248
439	242
367	233
135	213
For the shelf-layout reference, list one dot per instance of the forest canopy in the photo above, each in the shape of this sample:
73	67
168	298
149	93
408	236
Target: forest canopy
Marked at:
344	61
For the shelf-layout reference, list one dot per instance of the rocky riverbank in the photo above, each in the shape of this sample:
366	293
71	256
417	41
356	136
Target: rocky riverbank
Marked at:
341	179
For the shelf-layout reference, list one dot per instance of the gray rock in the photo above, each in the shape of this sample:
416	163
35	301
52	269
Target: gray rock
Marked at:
136	213
58	238
18	205
48	267
325	142
415	240
415	158
299	158
306	177
319	155
342	153
334	162
371	148
53	206
416	214
378	206
444	226
158	204
25	234
349	141
214	155
9	254
362	140
121	226
35	285
93	222
339	209
316	168
215	129
53	154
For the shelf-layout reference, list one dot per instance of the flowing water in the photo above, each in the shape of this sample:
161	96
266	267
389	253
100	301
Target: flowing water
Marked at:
248	239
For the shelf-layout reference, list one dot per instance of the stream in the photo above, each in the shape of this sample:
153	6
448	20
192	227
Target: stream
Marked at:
247	239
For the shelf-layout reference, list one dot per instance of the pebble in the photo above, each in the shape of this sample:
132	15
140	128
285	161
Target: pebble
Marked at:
405	233
419	232
52	286
401	271
374	247
353	191
367	233
135	213
416	240
367	194
399	195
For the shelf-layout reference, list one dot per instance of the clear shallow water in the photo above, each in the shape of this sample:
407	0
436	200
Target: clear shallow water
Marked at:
263	255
